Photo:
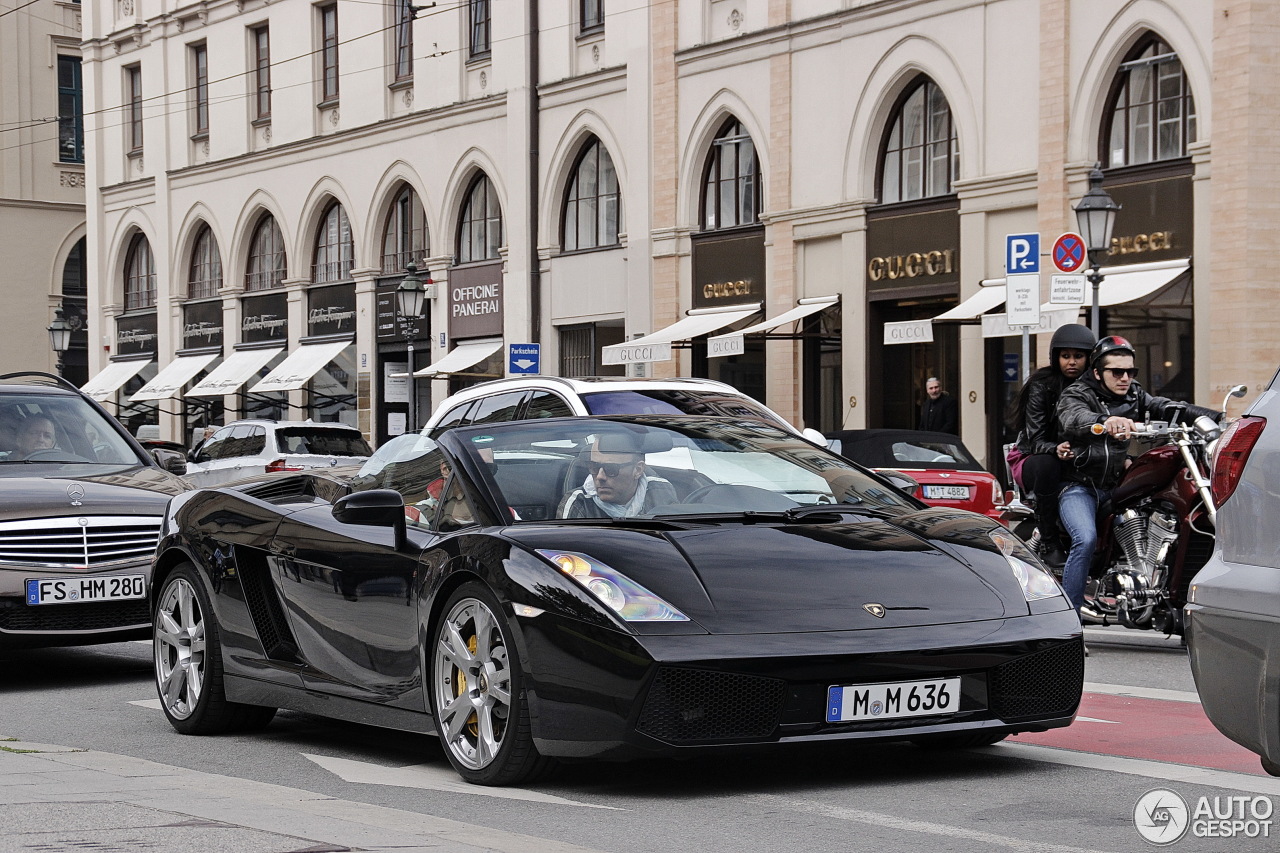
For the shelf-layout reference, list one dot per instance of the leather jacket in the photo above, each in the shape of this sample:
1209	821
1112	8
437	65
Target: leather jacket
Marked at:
1040	423
1099	460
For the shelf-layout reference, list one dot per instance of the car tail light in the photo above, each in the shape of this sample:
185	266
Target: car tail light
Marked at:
997	493
282	465
1233	452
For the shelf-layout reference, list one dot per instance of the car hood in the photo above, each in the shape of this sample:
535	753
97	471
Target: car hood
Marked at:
923	569
130	491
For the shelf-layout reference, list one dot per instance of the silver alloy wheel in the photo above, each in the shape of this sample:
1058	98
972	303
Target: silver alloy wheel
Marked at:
471	678
179	649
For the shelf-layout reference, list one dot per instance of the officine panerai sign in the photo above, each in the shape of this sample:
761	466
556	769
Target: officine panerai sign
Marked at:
475	301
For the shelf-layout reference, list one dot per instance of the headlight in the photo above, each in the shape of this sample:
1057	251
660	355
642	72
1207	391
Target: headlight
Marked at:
1036	583
622	595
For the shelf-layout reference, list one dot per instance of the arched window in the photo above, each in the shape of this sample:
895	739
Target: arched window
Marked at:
75	276
266	267
480	229
204	276
920	157
139	275
592	213
1151	115
731	181
404	237
333	247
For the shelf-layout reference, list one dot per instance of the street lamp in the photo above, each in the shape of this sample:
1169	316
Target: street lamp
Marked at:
59	336
410	296
1096	217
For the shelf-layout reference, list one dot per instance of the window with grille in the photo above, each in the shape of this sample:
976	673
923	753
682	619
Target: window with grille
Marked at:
139	275
260	41
329	53
266	265
480	228
333	247
920	157
204	276
577	351
1152	114
70	110
592	208
200	88
404	237
731	182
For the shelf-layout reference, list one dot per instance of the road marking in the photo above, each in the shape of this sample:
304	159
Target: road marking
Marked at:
153	704
1096	720
1141	692
433	778
1140	767
941	829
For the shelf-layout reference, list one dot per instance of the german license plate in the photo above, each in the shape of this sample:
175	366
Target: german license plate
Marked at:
87	589
951	493
897	699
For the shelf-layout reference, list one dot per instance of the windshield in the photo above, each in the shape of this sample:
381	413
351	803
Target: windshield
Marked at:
325	441
57	428
656	467
666	401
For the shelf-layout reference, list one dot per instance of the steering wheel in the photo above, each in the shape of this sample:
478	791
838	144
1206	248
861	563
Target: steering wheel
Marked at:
57	456
698	494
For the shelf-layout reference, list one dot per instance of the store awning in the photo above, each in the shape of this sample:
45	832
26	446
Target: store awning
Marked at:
115	374
227	377
735	343
656	346
172	377
299	366
461	357
921	331
1120	284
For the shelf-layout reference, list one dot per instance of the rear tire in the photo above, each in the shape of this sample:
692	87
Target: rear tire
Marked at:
188	662
477	696
959	740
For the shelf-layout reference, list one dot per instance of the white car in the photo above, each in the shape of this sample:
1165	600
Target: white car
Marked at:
524	398
249	447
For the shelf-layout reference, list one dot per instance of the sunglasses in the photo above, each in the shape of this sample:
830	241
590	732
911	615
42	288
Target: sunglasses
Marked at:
610	469
1121	372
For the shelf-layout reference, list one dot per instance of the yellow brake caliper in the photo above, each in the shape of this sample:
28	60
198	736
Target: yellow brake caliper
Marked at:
460	687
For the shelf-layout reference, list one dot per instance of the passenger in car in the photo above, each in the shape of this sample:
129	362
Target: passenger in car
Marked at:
617	485
36	433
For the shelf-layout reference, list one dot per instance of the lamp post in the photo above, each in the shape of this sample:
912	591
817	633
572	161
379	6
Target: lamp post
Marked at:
410	296
59	336
1096	218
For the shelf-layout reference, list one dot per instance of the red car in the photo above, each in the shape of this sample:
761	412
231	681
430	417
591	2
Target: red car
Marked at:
946	471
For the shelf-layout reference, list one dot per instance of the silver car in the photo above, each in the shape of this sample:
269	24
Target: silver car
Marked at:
1233	609
248	447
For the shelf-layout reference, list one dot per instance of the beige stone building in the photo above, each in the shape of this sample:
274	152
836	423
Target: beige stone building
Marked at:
42	196
801	197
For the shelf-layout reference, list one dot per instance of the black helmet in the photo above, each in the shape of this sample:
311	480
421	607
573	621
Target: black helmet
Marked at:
1108	345
1073	336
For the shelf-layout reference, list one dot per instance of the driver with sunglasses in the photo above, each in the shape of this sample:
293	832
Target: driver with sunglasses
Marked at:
617	485
1097	414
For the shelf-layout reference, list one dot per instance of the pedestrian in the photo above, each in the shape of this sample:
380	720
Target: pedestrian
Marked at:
939	412
1097	415
1036	459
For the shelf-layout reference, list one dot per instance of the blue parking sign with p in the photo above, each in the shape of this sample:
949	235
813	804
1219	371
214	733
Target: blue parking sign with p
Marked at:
1022	254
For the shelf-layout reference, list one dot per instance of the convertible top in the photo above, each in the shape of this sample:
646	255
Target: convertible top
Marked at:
905	448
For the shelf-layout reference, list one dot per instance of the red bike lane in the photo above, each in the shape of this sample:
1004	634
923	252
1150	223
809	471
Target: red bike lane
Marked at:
1150	729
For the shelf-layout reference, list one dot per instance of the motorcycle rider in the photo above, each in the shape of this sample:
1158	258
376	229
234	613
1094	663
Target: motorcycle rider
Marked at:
1097	415
1037	458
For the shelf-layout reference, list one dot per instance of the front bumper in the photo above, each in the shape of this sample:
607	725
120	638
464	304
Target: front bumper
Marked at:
76	623
599	693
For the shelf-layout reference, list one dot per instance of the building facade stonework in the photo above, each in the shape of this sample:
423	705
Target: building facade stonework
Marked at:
593	172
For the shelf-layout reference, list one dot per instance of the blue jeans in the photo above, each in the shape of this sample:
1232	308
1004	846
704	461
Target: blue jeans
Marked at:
1078	509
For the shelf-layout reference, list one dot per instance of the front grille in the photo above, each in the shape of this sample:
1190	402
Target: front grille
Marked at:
692	705
17	616
1044	684
79	542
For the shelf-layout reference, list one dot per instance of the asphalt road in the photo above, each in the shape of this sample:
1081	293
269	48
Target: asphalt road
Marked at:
1025	796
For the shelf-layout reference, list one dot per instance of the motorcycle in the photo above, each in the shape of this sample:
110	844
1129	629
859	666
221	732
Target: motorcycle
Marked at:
1158	528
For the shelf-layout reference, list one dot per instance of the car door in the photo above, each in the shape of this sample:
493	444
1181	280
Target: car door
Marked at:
204	468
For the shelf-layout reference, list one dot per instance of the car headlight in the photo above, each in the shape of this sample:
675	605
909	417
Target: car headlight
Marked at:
618	592
1036	583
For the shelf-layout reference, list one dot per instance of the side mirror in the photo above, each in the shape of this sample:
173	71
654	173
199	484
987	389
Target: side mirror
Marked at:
374	508
814	436
902	481
170	460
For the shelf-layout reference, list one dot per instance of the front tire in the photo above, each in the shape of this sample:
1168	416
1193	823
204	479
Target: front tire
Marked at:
477	692
188	662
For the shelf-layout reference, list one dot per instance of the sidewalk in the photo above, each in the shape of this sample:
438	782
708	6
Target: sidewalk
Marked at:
57	798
